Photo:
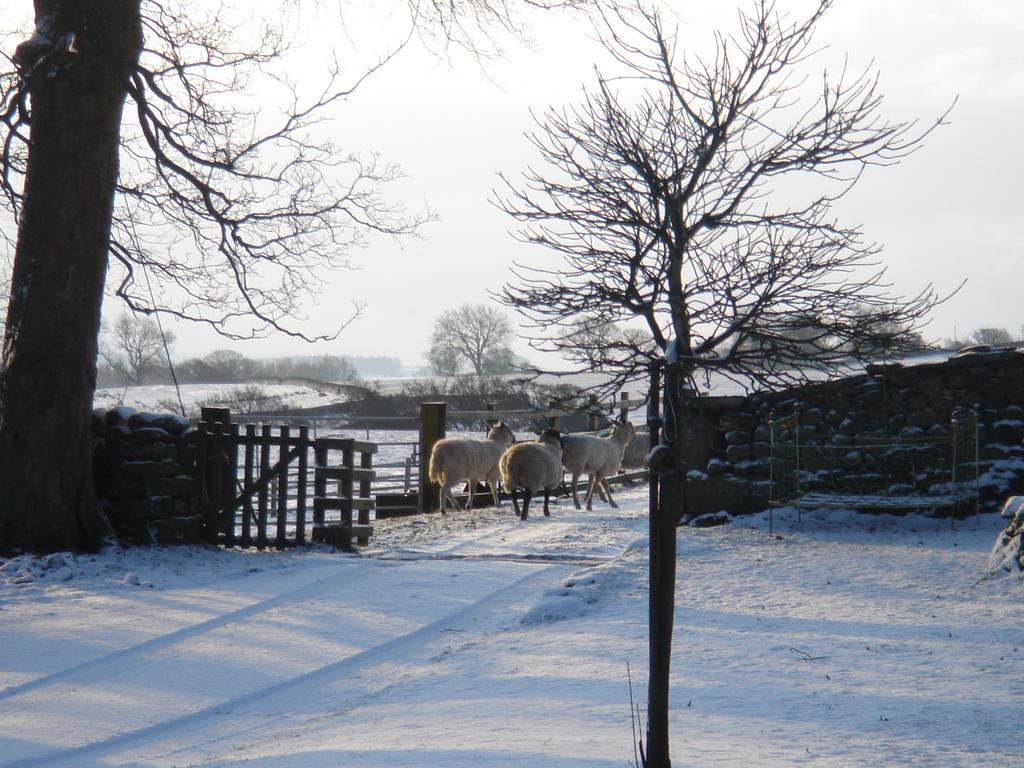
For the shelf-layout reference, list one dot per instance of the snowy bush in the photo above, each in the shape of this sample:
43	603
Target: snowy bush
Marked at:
1008	551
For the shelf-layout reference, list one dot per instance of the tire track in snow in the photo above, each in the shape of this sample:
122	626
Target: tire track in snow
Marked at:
120	661
418	555
419	642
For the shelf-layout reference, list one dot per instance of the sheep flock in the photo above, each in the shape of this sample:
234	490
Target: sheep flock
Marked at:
534	467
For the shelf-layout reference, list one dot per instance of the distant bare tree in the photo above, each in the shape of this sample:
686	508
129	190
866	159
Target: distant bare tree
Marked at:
444	356
475	333
136	348
591	341
991	336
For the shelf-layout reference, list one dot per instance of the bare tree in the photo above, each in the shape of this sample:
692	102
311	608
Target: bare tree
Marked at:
474	333
444	355
201	204
992	336
663	202
589	340
676	192
137	347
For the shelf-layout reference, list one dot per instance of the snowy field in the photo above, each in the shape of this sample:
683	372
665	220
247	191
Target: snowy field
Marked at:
477	640
193	396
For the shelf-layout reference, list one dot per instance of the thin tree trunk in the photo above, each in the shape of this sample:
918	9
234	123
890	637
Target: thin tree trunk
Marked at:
76	69
663	578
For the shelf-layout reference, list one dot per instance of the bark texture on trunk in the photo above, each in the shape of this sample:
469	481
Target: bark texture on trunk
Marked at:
76	69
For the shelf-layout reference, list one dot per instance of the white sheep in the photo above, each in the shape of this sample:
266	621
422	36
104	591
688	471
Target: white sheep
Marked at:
635	454
598	457
457	459
534	466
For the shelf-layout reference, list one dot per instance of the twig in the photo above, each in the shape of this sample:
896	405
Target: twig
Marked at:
634	717
804	656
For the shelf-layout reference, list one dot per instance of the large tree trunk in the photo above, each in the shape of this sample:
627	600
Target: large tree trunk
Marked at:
76	68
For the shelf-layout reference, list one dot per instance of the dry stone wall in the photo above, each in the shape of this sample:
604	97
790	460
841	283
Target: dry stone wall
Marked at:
145	468
729	450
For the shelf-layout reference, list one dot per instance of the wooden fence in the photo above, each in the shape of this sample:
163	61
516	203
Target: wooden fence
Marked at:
400	487
258	481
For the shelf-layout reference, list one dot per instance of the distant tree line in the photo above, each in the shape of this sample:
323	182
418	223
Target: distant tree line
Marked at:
225	366
992	337
136	349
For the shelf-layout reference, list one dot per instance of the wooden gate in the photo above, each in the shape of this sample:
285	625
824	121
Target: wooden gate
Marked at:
257	481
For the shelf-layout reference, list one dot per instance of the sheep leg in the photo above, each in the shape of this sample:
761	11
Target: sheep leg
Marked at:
515	500
472	492
527	495
575	495
608	493
451	497
494	492
547	496
591	485
455	502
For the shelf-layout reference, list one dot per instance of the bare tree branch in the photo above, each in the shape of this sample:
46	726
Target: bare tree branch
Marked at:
672	193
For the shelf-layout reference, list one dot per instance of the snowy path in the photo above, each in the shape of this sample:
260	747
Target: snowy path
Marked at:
480	641
263	683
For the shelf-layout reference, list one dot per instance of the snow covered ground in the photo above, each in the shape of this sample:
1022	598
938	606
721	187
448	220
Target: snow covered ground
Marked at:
477	640
163	398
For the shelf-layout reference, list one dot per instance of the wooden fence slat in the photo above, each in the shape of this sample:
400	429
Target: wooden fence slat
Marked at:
300	496
227	520
365	463
247	510
265	476
282	488
350	474
346	486
319	482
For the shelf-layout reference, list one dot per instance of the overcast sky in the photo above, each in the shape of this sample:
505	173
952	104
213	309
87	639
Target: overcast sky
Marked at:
951	211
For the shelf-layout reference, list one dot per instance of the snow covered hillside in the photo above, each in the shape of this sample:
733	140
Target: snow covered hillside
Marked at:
477	640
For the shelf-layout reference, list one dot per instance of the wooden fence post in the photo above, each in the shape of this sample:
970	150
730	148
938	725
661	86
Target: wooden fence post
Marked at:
432	428
365	462
593	413
218	422
624	406
555	421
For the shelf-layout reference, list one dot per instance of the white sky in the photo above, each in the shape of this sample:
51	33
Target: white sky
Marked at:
951	211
